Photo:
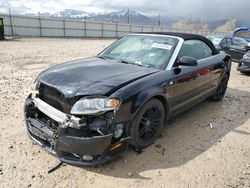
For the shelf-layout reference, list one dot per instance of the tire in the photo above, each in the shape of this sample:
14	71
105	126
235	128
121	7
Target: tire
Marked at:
221	89
147	124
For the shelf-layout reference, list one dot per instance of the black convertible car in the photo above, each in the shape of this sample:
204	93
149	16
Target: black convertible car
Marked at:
86	112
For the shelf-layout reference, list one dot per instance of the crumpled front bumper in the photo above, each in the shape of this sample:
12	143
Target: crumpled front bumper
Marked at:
56	133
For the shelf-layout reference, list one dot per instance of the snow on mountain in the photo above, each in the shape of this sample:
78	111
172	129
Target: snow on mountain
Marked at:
123	12
71	13
125	16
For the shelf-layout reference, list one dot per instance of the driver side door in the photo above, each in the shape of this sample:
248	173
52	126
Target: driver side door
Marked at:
237	49
192	83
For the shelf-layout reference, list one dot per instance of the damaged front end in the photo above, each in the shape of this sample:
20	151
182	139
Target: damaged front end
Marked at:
88	140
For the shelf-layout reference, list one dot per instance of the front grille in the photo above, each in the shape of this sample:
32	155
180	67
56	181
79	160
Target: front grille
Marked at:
41	127
55	98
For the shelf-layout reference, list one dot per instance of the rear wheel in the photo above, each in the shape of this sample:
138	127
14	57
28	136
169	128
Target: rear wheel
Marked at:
147	124
221	89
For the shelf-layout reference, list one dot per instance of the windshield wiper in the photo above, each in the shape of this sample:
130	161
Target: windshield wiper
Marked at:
121	61
101	57
104	57
130	62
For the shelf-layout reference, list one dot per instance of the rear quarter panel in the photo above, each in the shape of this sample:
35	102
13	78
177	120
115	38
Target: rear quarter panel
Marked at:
221	65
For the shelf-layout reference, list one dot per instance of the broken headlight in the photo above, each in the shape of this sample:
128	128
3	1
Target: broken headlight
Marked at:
89	106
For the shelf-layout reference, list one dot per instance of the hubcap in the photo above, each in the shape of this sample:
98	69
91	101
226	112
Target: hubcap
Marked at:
150	124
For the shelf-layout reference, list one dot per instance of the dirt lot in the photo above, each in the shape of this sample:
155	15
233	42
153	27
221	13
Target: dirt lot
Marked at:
188	155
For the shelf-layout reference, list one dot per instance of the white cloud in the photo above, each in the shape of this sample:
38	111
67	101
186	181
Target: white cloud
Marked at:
30	6
3	10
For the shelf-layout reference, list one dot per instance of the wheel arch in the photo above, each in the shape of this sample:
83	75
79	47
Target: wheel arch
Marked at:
165	104
159	97
132	127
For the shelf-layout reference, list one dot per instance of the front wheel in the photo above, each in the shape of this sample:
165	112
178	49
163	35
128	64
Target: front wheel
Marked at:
147	124
221	89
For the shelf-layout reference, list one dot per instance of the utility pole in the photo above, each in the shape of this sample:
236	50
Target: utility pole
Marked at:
190	19
11	24
64	32
159	20
85	26
128	16
40	23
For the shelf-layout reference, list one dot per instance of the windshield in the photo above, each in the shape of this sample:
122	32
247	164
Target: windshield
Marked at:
239	41
142	50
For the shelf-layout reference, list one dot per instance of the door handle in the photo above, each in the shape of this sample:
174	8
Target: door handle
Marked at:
167	84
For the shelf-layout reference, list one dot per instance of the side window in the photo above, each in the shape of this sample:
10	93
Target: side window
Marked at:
207	50
224	42
196	49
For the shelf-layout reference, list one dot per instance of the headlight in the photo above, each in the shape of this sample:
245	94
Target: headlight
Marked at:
88	106
245	57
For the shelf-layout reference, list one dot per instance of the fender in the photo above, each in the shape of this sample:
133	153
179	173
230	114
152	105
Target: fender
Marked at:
136	94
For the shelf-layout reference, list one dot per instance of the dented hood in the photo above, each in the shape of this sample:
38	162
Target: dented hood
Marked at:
91	76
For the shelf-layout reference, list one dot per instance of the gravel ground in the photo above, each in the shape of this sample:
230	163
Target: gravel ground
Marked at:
189	154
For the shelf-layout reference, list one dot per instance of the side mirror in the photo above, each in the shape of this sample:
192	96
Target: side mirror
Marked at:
247	47
187	61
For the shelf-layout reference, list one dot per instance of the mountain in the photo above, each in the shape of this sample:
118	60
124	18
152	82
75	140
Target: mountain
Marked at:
121	16
71	13
125	16
214	24
228	26
241	22
135	17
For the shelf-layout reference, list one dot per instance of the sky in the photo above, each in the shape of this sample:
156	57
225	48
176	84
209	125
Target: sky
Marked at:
203	9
